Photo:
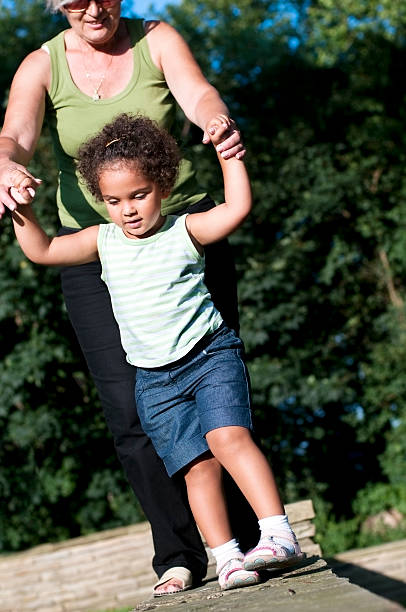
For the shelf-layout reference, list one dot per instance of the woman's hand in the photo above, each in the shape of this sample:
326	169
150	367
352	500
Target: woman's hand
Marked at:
222	131
17	186
199	100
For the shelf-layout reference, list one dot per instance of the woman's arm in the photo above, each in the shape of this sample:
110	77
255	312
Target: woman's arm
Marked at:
220	221
22	127
73	249
199	100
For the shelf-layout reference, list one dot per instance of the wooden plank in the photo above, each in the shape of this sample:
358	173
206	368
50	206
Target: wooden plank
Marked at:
310	548
107	534
297	512
397	548
300	511
387	560
305	529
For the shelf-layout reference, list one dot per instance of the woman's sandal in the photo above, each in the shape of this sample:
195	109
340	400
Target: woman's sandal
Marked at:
180	573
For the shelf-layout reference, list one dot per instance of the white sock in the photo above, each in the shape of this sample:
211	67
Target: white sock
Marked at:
270	524
225	552
276	526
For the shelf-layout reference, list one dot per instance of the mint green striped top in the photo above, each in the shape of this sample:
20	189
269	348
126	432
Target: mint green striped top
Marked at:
157	289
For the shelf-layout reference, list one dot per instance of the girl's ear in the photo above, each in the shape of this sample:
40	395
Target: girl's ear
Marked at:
165	194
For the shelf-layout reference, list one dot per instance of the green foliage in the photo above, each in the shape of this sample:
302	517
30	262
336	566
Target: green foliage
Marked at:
318	91
24	26
336	29
321	259
59	475
337	536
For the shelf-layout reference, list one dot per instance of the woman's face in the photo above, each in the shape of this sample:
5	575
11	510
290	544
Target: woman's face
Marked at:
96	25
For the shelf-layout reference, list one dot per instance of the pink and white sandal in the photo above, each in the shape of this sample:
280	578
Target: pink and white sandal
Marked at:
274	552
233	575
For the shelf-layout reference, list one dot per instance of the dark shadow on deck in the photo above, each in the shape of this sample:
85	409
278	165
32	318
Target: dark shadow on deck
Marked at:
384	586
303	568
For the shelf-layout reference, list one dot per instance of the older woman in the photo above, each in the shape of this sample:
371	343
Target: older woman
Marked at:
99	67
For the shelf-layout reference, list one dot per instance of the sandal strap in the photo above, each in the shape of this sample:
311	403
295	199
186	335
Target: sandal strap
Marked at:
230	567
181	573
283	535
234	566
278	543
234	561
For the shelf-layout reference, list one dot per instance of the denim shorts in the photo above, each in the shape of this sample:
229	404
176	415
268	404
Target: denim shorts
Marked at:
179	403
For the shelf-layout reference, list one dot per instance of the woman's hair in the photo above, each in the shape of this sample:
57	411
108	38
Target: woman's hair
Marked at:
54	5
126	140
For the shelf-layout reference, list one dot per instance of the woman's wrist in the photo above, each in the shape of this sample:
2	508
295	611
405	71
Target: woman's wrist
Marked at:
222	131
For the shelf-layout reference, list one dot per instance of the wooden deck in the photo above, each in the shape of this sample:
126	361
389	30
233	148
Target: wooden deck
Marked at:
380	569
311	587
112	570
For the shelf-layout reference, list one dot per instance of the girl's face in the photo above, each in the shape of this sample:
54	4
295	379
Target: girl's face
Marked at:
133	201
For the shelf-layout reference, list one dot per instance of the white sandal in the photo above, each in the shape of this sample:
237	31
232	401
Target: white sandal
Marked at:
277	551
233	575
180	573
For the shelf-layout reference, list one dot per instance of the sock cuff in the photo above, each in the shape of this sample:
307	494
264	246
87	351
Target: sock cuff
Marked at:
278	522
225	552
230	546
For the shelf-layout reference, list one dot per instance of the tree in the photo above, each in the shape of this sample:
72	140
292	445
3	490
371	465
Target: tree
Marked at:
319	98
318	91
59	474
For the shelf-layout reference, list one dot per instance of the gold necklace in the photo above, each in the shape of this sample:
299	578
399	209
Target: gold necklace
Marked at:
96	96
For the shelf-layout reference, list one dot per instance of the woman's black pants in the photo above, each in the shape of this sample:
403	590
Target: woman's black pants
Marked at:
163	499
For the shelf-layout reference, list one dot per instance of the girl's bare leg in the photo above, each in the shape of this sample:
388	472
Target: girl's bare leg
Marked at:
235	450
239	455
206	499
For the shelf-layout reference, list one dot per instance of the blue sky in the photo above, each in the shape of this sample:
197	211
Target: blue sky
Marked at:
143	7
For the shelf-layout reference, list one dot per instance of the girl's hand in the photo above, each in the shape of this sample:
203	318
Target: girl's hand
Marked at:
17	186
221	130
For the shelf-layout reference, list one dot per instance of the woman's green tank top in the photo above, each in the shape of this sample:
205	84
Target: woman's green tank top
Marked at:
73	117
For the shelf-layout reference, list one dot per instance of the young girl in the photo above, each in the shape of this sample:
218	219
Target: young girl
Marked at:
192	389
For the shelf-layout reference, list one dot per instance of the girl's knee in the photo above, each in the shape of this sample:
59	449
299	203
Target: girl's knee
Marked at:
201	469
228	440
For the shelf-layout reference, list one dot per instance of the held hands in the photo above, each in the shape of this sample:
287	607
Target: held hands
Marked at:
17	186
223	133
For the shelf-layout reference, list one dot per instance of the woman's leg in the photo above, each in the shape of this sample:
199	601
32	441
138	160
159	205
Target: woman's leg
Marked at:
164	501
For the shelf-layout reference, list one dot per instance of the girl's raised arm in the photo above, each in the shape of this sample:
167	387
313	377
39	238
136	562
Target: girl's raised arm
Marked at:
217	223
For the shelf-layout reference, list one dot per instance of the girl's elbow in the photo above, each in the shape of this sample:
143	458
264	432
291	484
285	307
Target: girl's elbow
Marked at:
37	258
245	213
238	220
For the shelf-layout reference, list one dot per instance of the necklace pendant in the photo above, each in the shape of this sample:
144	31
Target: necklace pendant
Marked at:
95	96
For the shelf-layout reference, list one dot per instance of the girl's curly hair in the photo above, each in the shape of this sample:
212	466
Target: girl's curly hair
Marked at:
130	139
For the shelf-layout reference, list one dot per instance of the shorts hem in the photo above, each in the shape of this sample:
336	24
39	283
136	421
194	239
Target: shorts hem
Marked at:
174	463
239	417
